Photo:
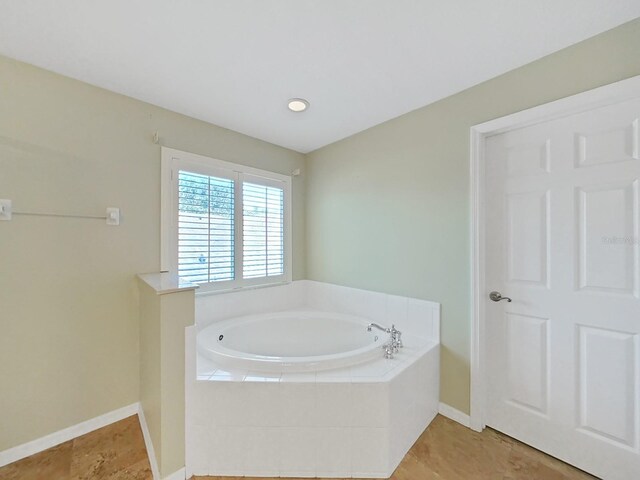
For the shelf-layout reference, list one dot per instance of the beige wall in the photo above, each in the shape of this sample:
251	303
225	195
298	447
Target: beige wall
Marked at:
151	363
388	209
163	319
68	308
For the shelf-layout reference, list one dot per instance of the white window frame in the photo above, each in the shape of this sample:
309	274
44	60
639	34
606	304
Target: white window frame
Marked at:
172	161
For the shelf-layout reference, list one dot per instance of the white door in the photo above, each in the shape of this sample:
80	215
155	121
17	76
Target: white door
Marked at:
563	241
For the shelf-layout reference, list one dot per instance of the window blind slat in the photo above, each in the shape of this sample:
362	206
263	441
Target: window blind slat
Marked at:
205	228
263	230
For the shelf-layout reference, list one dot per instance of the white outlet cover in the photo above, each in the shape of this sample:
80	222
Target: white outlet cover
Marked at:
5	209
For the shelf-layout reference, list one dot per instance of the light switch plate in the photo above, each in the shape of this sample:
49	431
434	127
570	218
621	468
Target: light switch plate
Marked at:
5	209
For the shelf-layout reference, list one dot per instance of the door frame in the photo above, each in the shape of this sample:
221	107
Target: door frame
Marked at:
606	95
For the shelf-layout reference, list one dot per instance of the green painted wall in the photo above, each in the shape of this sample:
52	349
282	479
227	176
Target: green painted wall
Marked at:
388	209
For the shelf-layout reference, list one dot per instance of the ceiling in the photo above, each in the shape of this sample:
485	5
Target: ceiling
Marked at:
236	63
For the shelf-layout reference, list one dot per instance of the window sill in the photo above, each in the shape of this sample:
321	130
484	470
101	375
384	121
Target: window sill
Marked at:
164	282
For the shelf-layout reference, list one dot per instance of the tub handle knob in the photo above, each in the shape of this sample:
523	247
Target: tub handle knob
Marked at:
396	339
399	339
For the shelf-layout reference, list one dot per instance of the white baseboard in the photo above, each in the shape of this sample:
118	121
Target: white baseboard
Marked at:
155	471
179	475
35	446
454	414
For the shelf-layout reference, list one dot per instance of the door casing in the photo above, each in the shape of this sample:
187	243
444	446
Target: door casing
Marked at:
609	94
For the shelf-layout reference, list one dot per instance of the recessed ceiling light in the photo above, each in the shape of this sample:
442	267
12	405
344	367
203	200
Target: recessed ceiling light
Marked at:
298	104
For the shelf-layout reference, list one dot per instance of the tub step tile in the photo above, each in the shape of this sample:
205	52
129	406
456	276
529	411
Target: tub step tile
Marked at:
334	405
370	452
297	403
262	377
333	453
263	452
306	377
298	448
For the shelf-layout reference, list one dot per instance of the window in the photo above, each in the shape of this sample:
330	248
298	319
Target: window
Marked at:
224	225
205	228
262	230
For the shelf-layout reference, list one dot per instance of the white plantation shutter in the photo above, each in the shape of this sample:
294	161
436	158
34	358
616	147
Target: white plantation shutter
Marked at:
224	226
205	228
262	230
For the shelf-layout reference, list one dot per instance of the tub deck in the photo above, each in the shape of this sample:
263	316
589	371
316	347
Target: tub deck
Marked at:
355	422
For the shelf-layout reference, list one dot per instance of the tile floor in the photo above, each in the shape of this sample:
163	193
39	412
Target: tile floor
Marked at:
115	452
445	451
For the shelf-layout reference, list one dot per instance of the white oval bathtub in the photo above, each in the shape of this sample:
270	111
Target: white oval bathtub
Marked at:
291	341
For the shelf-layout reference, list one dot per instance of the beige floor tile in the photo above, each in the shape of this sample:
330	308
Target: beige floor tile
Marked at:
115	452
540	465
53	463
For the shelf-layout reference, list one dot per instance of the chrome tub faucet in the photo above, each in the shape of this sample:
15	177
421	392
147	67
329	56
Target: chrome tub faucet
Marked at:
395	339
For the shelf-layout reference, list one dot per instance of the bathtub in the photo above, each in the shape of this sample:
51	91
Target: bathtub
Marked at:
306	393
291	341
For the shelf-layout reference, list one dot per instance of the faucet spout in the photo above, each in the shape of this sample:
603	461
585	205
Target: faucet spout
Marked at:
379	327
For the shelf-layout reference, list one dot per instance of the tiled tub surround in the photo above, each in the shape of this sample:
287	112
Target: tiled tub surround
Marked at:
416	318
351	422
